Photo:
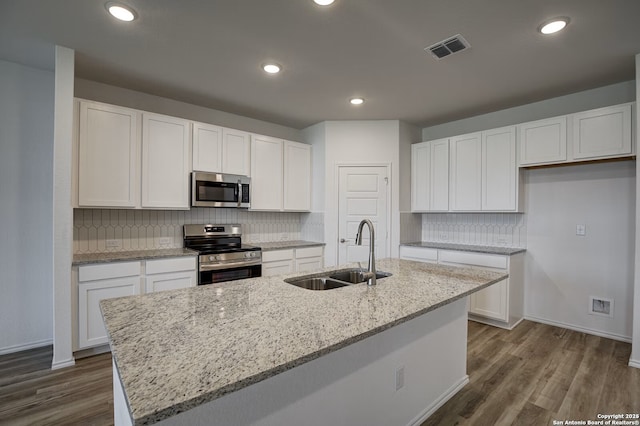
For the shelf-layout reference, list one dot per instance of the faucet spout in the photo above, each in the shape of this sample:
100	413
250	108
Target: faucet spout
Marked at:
371	270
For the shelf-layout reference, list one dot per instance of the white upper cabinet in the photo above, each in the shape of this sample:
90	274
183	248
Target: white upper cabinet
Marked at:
603	132
108	156
236	152
465	172
266	173
430	176
165	162
207	148
543	141
297	176
499	170
220	150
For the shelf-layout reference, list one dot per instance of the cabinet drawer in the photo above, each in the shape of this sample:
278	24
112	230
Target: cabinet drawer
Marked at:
176	264
474	259
308	252
108	270
421	254
276	255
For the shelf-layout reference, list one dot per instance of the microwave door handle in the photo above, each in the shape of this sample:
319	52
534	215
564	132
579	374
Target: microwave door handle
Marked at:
239	192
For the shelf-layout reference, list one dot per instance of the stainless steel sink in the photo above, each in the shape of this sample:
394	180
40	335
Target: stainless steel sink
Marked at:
332	279
316	283
355	276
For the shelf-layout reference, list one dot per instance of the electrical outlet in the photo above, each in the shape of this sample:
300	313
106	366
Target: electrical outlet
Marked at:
581	230
164	241
284	237
113	243
443	236
502	241
399	378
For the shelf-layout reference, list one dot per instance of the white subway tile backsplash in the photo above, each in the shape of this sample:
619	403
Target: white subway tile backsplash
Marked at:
494	229
146	229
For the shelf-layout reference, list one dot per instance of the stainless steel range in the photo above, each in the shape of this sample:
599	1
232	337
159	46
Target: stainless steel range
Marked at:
223	257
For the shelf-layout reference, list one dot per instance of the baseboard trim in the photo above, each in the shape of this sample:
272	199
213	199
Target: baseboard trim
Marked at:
619	337
63	364
495	323
447	395
27	346
635	363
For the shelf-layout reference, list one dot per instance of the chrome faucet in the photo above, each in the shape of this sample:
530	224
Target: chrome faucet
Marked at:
370	275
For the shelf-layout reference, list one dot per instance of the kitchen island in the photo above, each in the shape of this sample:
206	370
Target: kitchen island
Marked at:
265	352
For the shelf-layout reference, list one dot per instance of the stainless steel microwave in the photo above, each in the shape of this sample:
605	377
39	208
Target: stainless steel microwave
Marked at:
220	190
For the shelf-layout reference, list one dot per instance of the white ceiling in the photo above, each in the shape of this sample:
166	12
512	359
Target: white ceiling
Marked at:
209	53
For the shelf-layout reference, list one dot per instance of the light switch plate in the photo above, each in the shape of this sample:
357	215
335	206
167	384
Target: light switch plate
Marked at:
581	230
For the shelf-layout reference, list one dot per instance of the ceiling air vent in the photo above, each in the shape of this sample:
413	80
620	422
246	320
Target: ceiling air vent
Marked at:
448	47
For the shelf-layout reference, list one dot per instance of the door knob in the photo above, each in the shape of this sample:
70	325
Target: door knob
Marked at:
342	240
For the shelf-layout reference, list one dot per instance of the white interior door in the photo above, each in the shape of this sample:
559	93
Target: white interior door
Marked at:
363	194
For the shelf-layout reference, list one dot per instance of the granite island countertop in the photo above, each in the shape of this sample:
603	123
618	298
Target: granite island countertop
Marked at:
176	350
508	251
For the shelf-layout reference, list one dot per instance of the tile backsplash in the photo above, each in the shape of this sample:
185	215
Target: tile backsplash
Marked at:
103	230
493	229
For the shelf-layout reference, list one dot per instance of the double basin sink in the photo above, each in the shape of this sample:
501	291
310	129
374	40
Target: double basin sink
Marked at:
333	279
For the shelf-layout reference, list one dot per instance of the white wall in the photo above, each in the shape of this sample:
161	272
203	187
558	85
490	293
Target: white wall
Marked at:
352	143
635	352
562	270
101	92
26	199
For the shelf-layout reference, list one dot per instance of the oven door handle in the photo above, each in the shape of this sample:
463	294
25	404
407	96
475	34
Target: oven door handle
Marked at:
220	266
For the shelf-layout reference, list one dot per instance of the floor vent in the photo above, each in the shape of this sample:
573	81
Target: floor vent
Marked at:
601	306
447	47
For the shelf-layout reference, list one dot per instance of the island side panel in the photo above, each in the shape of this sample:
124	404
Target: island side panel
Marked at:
356	385
121	416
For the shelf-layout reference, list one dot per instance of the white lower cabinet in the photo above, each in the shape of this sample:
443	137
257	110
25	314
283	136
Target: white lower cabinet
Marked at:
96	282
170	274
287	261
501	304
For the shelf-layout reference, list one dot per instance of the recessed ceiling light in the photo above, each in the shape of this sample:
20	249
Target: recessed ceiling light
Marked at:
121	12
271	68
553	26
356	101
323	2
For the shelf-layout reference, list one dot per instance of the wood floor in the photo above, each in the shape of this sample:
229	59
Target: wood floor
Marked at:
529	376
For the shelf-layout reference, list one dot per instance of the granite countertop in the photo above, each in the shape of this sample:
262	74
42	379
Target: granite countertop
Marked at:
175	350
281	245
468	247
123	256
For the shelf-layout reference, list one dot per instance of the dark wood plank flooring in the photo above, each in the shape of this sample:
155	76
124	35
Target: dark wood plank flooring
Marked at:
531	375
537	373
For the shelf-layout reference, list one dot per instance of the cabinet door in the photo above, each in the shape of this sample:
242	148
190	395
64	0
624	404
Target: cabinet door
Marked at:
543	141
297	176
309	264
170	281
499	170
90	324
108	156
420	176
603	132
439	175
279	267
236	152
465	176
165	162
266	173
207	148
491	302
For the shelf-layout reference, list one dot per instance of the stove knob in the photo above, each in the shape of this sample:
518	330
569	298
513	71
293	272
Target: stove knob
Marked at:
211	258
247	254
